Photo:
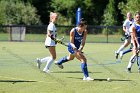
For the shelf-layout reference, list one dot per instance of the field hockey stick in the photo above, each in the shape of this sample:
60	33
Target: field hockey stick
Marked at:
137	55
60	41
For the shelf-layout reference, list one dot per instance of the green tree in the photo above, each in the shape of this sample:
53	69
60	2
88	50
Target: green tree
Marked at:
92	10
109	14
129	6
17	12
43	9
65	10
109	17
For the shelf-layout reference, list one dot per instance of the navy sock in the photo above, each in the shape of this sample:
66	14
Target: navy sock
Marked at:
84	69
62	60
129	50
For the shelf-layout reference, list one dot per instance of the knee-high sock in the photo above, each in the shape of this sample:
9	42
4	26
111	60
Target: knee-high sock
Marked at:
84	69
44	59
62	60
120	49
131	61
128	50
49	62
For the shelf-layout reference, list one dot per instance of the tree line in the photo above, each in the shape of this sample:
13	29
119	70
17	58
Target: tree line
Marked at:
36	12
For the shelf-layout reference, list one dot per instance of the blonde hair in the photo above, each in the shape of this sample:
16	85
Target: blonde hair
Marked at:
52	15
137	13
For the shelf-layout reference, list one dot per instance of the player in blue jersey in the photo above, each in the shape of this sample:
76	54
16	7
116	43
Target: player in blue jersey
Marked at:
126	25
135	35
77	42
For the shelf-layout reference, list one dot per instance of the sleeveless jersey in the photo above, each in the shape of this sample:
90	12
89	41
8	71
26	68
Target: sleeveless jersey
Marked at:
127	23
137	27
77	38
49	41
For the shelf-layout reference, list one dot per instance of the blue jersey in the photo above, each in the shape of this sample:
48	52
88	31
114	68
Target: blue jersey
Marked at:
137	27
77	41
77	38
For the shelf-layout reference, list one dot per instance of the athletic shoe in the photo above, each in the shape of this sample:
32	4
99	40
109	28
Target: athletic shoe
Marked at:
38	63
47	71
116	55
60	66
87	79
128	70
121	54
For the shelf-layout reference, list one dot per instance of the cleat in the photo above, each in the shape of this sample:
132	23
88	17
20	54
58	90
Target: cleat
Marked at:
60	66
116	55
128	70
38	63
87	79
121	54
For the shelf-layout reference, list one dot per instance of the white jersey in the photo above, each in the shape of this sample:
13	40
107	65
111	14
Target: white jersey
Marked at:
127	23
49	41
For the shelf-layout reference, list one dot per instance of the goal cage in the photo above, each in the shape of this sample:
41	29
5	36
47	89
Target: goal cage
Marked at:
17	33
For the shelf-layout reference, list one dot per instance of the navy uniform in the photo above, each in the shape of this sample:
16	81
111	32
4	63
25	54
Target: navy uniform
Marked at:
77	41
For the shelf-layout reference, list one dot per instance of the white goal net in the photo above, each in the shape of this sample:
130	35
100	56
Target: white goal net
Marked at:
17	33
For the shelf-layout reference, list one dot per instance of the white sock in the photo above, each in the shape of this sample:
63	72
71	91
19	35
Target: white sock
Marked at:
44	59
120	49
131	61
49	62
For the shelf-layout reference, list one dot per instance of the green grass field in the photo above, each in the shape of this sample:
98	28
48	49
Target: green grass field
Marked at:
91	38
19	74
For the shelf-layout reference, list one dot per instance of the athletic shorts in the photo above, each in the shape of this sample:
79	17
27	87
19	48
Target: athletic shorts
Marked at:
70	49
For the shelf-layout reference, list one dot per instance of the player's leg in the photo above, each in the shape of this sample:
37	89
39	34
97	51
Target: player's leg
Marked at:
131	62
42	60
126	51
63	60
84	67
126	43
132	59
51	59
66	58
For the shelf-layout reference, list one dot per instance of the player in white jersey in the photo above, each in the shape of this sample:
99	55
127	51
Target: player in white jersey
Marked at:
49	43
126	25
135	35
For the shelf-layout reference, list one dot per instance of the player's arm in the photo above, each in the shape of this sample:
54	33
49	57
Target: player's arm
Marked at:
134	37
124	28
83	41
49	34
72	39
50	31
